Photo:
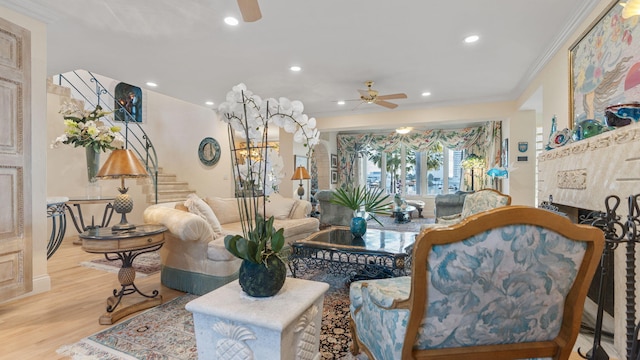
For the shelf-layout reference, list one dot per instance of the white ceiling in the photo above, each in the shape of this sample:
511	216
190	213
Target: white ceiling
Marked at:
408	46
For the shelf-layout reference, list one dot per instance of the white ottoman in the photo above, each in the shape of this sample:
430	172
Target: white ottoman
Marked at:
232	325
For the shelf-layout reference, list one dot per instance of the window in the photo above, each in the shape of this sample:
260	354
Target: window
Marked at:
410	172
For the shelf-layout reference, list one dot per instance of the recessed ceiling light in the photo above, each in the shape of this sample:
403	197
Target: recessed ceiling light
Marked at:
341	102
471	39
151	84
230	20
426	93
209	103
295	68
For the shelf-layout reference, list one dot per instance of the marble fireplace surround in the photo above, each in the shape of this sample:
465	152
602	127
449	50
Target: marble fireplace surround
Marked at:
581	175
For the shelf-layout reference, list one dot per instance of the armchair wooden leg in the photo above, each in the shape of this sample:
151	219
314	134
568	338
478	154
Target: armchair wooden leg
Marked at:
355	349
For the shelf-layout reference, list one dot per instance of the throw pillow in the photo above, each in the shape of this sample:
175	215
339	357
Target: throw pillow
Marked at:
202	209
225	208
278	206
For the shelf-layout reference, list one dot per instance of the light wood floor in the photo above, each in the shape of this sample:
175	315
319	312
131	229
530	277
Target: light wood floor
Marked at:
36	326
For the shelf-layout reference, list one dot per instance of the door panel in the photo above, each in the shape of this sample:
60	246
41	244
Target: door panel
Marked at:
15	162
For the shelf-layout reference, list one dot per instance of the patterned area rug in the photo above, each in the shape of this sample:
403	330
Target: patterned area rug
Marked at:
166	331
145	264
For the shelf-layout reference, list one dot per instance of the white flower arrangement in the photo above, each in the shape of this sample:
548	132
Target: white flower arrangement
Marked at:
83	128
249	115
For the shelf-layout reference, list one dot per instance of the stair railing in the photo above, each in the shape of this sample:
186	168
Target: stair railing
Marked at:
86	86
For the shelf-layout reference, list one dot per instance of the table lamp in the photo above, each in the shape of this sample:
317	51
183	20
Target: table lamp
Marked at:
121	164
301	173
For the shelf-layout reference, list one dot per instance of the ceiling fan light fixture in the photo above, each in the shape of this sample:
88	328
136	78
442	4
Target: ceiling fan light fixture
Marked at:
404	130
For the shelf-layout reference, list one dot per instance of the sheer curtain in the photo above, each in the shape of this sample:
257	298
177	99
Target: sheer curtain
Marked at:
483	140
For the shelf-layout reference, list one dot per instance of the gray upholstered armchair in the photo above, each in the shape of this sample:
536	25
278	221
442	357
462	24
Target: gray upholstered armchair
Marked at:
332	214
509	283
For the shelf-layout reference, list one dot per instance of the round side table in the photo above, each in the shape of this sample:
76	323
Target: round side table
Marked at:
125	246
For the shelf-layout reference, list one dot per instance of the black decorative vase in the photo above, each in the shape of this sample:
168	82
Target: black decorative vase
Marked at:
258	280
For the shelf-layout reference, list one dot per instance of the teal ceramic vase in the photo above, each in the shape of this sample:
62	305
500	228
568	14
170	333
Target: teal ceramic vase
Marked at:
358	226
260	280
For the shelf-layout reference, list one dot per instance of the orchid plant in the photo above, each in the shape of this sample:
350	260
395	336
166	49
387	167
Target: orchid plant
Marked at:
83	128
248	117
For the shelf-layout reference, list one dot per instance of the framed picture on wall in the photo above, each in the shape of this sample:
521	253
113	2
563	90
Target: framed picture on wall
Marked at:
334	176
128	103
334	161
604	64
299	161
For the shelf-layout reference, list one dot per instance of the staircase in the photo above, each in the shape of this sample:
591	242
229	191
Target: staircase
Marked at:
81	87
170	189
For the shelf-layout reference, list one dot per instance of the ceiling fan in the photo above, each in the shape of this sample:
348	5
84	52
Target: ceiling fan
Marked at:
370	96
250	10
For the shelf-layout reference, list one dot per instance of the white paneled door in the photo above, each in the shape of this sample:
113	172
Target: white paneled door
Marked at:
15	161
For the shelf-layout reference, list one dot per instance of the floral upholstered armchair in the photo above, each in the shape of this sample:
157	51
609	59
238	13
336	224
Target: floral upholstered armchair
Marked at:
474	203
507	283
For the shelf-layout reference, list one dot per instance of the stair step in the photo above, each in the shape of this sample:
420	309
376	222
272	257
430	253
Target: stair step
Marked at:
167	187
169	195
167	178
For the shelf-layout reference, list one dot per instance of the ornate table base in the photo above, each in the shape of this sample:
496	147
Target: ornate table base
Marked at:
126	276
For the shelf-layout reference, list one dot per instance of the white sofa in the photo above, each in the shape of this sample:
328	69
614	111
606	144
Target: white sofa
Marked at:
194	258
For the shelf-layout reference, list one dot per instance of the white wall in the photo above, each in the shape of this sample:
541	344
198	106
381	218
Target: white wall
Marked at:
40	236
522	128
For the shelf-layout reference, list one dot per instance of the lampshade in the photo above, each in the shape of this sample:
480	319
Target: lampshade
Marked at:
122	163
404	130
631	8
497	172
300	174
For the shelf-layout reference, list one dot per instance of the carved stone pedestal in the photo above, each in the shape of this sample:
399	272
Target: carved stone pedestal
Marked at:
232	325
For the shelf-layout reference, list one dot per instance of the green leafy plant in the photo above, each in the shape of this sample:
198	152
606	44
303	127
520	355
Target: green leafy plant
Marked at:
259	243
373	201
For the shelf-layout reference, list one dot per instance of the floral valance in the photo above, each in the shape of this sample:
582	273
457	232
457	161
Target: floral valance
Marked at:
480	140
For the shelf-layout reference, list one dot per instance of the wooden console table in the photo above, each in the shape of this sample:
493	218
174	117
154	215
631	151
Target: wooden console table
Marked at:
125	246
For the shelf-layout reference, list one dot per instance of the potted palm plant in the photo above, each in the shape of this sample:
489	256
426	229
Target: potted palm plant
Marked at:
365	203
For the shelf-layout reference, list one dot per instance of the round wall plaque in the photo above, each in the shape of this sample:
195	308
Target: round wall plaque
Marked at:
209	151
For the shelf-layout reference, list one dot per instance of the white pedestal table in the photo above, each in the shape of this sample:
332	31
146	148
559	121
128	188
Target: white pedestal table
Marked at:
229	324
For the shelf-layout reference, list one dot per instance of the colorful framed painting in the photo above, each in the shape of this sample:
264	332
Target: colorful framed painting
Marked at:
604	66
128	103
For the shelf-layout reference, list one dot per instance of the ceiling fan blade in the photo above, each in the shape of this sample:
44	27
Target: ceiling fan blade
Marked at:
392	96
250	10
386	104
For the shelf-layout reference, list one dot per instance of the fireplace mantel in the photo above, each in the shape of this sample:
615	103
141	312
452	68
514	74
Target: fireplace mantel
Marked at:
583	173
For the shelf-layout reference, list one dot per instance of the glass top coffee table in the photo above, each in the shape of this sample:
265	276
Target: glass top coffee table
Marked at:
378	254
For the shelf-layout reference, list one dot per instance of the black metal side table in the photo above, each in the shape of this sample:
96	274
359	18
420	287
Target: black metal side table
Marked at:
79	222
56	207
